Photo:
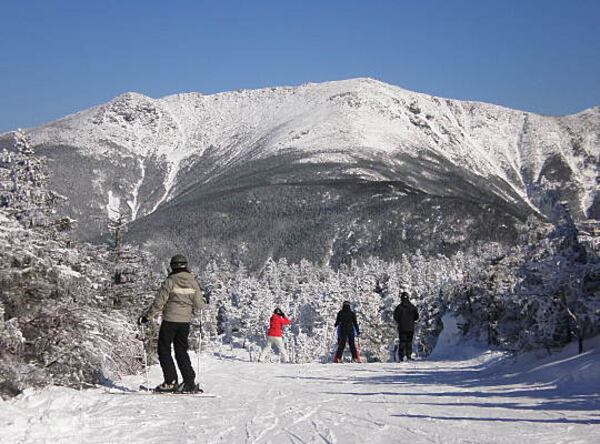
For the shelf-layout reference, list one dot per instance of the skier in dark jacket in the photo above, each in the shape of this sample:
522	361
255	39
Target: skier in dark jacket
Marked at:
347	329
178	298
405	315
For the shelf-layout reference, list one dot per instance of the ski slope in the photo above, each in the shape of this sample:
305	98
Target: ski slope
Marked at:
483	399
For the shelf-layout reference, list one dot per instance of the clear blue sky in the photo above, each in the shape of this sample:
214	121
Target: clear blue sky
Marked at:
59	57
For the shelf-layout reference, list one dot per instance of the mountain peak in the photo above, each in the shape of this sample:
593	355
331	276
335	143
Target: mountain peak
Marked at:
131	96
128	108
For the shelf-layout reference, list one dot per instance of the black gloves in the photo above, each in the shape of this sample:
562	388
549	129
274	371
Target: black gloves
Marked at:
142	320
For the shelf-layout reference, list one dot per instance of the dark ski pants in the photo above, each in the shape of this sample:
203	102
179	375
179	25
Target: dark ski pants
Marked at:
175	333
405	344
342	345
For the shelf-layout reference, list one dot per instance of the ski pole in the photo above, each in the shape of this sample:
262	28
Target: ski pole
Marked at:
198	352
145	357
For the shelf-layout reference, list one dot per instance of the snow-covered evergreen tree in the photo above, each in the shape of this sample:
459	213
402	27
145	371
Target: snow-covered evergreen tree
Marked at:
58	324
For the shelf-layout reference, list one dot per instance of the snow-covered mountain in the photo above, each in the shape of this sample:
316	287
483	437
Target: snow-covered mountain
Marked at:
325	171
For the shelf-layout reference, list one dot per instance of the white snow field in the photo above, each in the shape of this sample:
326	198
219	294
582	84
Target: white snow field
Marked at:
488	398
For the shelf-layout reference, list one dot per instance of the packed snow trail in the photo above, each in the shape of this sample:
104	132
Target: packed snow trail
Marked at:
469	401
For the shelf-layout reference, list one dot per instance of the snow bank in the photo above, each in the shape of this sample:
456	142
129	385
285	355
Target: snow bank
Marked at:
565	370
451	344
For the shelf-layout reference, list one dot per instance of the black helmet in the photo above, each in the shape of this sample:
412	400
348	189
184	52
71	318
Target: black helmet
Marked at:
178	262
404	295
346	304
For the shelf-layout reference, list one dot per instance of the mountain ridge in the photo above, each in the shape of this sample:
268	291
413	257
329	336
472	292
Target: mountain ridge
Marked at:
595	108
141	156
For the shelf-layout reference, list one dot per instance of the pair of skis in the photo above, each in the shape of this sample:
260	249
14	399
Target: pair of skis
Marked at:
147	391
201	394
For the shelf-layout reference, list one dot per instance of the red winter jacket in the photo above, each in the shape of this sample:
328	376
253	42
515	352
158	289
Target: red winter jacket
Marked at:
275	325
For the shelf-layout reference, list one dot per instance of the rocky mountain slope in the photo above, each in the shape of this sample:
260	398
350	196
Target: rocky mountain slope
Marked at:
324	171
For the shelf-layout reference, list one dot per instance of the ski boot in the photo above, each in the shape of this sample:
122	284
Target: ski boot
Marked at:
166	387
189	387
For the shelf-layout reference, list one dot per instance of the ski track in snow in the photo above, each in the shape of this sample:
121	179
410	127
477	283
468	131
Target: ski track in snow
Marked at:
418	402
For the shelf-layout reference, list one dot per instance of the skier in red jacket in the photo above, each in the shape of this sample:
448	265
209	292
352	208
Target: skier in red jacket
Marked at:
277	321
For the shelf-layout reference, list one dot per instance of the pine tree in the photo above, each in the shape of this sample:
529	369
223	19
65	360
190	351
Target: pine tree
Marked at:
55	325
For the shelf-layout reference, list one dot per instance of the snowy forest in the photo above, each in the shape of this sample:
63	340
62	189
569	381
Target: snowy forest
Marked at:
69	309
